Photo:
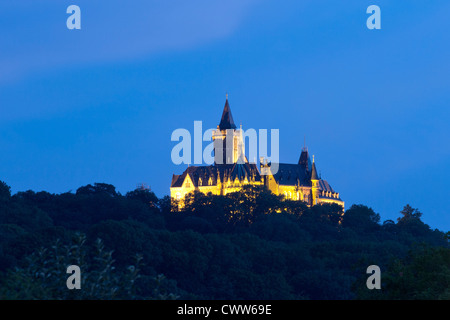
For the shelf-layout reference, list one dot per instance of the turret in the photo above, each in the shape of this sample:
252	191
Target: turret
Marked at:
226	122
228	141
304	160
314	184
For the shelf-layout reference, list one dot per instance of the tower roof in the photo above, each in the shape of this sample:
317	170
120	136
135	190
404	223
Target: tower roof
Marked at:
304	160
291	175
314	175
227	121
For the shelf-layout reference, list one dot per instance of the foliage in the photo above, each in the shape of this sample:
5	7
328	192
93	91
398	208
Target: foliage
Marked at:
245	245
43	275
424	274
409	213
5	191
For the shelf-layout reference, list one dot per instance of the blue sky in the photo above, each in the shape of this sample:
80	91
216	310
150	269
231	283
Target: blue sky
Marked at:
99	104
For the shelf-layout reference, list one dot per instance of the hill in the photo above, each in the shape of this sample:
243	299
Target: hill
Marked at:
246	245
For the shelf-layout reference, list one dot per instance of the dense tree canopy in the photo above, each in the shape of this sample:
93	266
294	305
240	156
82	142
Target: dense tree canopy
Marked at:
247	245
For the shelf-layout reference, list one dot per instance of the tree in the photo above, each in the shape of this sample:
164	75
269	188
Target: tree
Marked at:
44	275
361	218
98	188
144	195
5	191
409	213
423	275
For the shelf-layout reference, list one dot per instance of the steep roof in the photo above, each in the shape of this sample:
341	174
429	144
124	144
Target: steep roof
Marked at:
200	175
325	186
305	160
314	175
292	175
227	122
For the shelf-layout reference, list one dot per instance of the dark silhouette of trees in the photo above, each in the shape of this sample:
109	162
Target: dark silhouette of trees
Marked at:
143	195
423	274
5	191
361	218
245	245
98	188
409	213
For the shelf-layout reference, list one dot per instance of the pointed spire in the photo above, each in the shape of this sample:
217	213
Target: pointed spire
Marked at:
314	171
227	121
304	160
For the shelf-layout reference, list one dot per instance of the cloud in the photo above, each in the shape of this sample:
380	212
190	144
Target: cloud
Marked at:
34	37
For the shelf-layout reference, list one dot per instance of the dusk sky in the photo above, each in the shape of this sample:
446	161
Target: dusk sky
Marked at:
100	104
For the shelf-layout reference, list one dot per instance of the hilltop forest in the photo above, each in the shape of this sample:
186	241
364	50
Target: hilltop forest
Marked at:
246	245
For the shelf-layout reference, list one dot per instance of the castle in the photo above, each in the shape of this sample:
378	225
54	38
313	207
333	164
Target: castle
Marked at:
231	171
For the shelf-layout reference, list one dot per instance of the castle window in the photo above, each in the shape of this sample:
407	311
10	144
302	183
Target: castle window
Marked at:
290	195
187	185
178	196
210	182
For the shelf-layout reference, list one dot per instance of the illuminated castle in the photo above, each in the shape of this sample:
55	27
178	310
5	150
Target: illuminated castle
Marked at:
231	171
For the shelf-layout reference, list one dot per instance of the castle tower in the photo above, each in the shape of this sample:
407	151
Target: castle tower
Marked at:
231	171
304	160
314	184
228	141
